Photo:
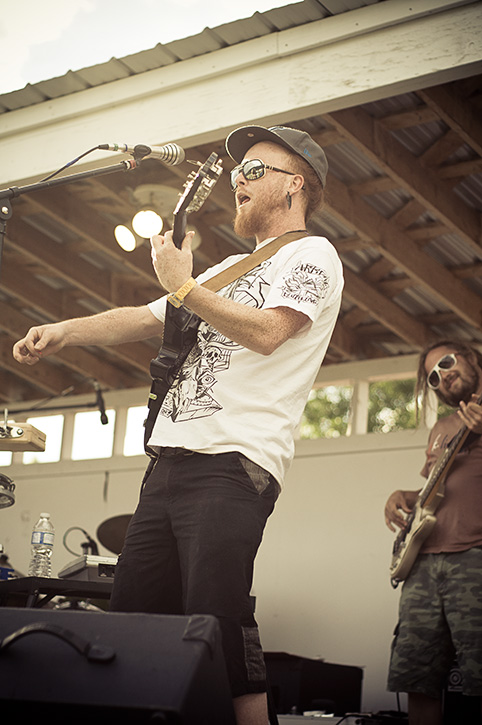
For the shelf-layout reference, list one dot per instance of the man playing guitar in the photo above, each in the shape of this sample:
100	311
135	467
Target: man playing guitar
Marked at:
441	602
223	437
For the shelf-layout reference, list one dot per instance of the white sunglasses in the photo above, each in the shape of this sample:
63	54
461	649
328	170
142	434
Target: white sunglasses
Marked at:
447	362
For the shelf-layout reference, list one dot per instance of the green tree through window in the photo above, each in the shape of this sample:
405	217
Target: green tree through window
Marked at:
391	406
326	413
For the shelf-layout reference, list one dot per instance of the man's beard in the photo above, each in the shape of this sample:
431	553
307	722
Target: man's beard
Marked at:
249	223
469	385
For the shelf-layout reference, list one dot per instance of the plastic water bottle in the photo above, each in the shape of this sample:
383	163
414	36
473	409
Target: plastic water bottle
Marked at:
43	535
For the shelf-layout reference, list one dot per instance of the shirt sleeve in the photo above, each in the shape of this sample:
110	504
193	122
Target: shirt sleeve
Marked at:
306	278
158	308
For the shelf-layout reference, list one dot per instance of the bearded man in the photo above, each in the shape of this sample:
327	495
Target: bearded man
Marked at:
441	602
224	436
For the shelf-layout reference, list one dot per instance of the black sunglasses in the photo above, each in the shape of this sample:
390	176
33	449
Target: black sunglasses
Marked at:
447	362
252	170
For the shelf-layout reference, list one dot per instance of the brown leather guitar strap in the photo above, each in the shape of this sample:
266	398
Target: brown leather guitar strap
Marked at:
222	279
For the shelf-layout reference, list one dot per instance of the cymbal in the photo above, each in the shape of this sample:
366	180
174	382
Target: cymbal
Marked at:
112	532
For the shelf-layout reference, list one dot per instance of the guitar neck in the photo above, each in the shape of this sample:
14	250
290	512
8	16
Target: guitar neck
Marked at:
179	229
443	464
196	190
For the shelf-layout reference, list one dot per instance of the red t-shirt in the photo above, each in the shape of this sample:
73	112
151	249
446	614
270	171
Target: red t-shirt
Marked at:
459	515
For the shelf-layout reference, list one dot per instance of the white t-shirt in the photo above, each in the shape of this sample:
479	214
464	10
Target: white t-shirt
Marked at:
228	398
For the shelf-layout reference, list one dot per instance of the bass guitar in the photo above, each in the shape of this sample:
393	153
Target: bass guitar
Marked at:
421	520
180	325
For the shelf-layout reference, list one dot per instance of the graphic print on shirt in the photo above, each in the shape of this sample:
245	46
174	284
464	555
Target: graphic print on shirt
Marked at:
306	283
193	395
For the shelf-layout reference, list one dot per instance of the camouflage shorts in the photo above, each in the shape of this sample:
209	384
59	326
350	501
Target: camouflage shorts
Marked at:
440	618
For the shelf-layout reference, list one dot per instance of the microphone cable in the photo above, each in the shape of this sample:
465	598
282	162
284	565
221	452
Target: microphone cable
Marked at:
70	163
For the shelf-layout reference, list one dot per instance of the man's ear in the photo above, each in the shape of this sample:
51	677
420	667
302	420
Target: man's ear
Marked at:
297	182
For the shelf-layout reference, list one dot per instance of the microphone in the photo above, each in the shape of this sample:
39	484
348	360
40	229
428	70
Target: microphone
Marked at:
170	153
100	403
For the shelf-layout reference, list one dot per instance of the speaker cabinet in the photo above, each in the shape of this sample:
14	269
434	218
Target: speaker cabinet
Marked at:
299	684
91	668
459	708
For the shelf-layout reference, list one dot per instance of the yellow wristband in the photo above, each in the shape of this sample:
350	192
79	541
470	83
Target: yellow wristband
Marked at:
177	298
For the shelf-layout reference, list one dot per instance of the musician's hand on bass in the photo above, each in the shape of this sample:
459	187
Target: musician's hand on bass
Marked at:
471	414
399	501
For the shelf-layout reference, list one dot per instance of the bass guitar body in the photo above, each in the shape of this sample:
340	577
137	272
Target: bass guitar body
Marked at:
408	544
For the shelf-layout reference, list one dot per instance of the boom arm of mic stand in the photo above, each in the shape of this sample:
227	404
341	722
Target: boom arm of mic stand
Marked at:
14	191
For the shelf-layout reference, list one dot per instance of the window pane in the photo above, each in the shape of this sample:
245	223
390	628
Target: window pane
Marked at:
92	439
391	405
5	458
52	426
327	412
134	440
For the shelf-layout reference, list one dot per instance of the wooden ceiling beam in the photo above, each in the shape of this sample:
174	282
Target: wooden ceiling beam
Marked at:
426	232
61	261
457	112
442	149
461	169
404	253
36	246
385	311
406	119
382	148
63	206
13	388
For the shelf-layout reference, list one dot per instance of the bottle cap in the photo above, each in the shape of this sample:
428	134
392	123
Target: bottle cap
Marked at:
44	516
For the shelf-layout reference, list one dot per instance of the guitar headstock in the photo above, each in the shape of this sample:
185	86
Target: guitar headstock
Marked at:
197	188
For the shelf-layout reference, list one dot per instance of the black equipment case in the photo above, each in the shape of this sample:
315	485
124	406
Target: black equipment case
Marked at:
91	667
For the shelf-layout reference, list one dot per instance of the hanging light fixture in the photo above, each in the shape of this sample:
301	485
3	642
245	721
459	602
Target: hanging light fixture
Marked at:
125	238
147	222
154	201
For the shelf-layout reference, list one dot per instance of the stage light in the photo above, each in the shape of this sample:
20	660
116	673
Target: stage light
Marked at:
154	201
146	223
125	238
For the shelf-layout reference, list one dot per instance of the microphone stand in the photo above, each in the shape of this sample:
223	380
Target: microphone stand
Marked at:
14	191
98	403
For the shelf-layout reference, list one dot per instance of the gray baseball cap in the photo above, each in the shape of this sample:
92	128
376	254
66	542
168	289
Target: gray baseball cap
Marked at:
240	140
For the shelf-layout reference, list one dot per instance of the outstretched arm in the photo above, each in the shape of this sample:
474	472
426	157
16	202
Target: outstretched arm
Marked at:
123	324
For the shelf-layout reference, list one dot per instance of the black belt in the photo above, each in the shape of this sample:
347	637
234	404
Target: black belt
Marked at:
171	452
